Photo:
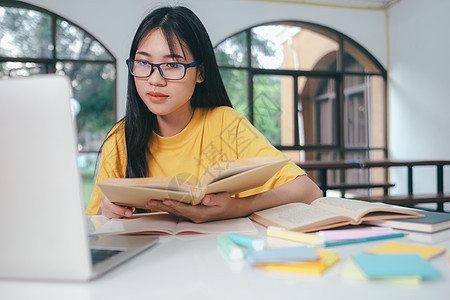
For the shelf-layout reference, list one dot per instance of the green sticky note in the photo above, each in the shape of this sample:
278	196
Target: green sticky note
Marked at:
395	265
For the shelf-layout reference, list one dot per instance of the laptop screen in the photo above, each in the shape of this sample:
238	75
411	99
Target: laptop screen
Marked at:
41	212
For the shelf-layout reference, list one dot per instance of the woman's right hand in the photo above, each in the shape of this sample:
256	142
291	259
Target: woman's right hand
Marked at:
111	210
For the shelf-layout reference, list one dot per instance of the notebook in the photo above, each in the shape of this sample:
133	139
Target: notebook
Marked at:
43	230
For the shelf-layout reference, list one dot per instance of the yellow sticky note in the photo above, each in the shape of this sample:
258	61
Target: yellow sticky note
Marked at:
426	252
327	259
352	271
299	237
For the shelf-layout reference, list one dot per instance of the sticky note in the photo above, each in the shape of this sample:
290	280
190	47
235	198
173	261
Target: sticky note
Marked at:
352	271
391	247
327	259
283	255
395	265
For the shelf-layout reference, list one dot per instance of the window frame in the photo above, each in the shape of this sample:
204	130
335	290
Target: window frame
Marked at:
50	63
337	75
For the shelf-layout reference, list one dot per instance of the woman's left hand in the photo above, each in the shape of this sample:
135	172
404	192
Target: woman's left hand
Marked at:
213	207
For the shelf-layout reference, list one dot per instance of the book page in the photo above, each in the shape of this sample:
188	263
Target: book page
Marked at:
247	179
229	168
299	217
238	225
156	223
227	173
358	210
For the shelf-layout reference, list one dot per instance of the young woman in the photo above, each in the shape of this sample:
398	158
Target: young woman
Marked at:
179	121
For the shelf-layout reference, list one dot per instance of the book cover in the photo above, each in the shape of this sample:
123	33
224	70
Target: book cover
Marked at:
234	176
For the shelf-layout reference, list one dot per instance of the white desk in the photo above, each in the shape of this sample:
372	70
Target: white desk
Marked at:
191	267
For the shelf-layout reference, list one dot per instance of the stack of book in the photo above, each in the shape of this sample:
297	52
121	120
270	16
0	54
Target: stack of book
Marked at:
431	222
309	260
299	259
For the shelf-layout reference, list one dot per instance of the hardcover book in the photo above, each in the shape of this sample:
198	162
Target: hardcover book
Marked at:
233	176
432	222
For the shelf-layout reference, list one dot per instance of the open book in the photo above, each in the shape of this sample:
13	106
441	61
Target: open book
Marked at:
164	223
234	176
328	212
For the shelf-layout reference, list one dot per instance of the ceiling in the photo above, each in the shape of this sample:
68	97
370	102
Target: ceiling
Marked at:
370	4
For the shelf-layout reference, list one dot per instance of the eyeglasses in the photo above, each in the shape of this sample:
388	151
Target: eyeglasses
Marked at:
169	71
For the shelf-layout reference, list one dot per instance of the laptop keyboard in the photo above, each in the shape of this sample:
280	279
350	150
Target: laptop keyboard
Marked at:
99	255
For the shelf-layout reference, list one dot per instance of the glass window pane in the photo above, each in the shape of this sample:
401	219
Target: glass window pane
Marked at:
16	69
365	111
356	111
233	51
267	106
236	84
93	86
25	33
74	43
292	48
330	115
287	111
86	163
317	111
356	175
268	43
356	60
378	114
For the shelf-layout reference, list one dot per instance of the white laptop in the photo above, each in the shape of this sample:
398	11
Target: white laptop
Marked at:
43	230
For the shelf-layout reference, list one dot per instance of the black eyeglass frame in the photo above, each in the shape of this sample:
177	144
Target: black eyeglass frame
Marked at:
131	61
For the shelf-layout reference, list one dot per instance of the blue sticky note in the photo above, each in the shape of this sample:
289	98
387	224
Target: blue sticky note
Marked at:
395	265
283	255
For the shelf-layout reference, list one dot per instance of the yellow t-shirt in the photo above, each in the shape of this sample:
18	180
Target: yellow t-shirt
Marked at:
212	136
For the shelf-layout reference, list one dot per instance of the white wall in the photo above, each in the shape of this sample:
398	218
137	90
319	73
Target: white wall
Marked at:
419	99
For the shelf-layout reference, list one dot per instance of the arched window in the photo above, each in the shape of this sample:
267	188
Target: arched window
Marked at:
315	93
37	41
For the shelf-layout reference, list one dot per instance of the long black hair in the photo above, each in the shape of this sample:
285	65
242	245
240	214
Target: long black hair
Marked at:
179	24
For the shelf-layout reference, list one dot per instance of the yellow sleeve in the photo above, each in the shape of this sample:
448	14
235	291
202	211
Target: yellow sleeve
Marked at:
113	163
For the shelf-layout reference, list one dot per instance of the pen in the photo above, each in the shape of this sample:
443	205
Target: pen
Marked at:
304	238
361	240
229	248
247	241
